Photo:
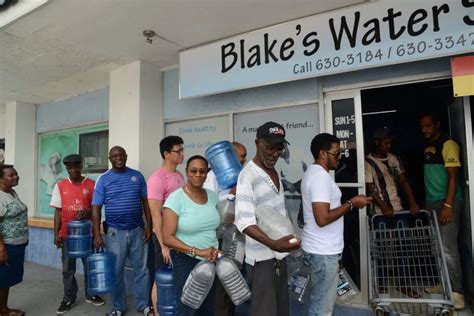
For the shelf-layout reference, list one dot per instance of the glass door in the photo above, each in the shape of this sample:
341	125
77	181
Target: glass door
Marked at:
461	130
344	119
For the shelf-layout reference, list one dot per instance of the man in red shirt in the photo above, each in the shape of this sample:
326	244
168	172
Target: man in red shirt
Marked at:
72	198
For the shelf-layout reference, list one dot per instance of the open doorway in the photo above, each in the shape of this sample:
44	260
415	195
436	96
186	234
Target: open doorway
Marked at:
398	108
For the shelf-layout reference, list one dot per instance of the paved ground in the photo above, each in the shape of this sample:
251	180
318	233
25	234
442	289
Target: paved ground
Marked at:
41	292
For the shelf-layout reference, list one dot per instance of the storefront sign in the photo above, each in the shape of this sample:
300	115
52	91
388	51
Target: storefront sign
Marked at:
462	69
365	36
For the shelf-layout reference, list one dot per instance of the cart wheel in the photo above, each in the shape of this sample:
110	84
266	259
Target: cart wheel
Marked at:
445	312
379	311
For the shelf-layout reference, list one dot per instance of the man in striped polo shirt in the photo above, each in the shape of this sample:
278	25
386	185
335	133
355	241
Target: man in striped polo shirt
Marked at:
123	192
259	187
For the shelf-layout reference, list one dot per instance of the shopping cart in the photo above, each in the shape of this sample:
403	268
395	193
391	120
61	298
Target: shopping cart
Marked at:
407	269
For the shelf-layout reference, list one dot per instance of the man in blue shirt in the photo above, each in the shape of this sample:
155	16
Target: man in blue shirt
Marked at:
123	192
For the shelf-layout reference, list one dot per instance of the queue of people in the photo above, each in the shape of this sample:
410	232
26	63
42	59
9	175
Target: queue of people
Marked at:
181	217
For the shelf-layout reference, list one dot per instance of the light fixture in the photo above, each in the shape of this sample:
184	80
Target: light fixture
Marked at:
149	34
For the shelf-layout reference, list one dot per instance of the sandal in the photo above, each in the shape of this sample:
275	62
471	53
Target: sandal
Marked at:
148	311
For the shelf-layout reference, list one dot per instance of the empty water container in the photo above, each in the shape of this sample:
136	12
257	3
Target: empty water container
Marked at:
198	284
101	273
299	284
78	239
232	280
224	163
346	288
274	224
233	245
166	291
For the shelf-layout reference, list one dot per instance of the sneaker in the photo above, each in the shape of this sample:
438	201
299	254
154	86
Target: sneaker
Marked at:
458	299
114	313
148	311
64	307
96	300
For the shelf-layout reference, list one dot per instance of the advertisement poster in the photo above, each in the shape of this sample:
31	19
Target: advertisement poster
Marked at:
53	147
301	124
199	134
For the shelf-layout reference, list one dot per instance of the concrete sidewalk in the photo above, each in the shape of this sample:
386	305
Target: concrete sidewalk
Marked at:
41	293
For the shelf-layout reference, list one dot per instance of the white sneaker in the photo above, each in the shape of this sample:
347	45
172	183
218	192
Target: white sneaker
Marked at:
458	299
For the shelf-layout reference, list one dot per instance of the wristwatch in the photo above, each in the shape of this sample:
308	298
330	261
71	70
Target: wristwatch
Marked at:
351	205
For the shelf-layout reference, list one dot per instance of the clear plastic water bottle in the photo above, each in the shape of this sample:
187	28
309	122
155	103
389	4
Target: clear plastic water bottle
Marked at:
233	245
198	284
274	224
232	280
226	210
346	288
299	284
225	164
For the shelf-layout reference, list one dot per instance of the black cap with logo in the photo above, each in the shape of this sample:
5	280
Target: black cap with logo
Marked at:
272	132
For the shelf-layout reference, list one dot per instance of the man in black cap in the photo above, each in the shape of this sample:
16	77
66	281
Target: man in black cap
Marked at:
72	199
259	188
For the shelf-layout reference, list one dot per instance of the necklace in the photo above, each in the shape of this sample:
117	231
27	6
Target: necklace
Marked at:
189	191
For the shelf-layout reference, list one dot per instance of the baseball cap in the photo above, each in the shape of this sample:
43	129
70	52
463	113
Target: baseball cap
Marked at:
272	132
72	159
382	133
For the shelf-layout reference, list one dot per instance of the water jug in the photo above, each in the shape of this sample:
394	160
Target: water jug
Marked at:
346	288
166	291
224	163
101	273
78	239
226	210
232	280
198	284
233	245
274	224
299	284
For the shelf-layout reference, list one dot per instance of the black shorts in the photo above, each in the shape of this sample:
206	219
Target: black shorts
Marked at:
158	254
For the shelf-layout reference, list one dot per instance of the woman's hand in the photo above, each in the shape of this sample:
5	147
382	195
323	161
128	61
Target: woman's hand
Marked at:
3	254
209	253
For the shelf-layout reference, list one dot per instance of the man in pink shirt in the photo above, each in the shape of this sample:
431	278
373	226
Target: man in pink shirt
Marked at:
161	183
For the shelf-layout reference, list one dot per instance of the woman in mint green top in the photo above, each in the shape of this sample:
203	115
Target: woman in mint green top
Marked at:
190	220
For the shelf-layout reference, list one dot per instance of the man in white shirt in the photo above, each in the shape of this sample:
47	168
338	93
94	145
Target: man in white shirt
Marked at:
323	232
259	186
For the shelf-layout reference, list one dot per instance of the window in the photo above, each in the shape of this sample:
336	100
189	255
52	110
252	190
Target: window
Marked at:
93	149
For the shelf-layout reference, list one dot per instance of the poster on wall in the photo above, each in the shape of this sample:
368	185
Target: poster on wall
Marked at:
301	124
53	147
199	134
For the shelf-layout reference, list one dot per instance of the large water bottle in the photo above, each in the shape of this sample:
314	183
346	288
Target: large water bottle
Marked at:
299	284
224	163
166	291
275	225
232	280
233	245
226	210
100	273
78	239
198	284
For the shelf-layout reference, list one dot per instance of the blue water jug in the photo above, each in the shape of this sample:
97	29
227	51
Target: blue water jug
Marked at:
224	163
78	239
166	291
100	273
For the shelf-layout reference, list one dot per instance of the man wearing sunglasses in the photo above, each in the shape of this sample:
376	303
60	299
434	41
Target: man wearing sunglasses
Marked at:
322	240
259	186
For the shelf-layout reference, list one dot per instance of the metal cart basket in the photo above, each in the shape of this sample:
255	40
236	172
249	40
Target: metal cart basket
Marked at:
407	269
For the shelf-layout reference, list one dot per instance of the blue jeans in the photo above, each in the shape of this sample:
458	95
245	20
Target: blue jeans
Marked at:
182	267
323	272
129	244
